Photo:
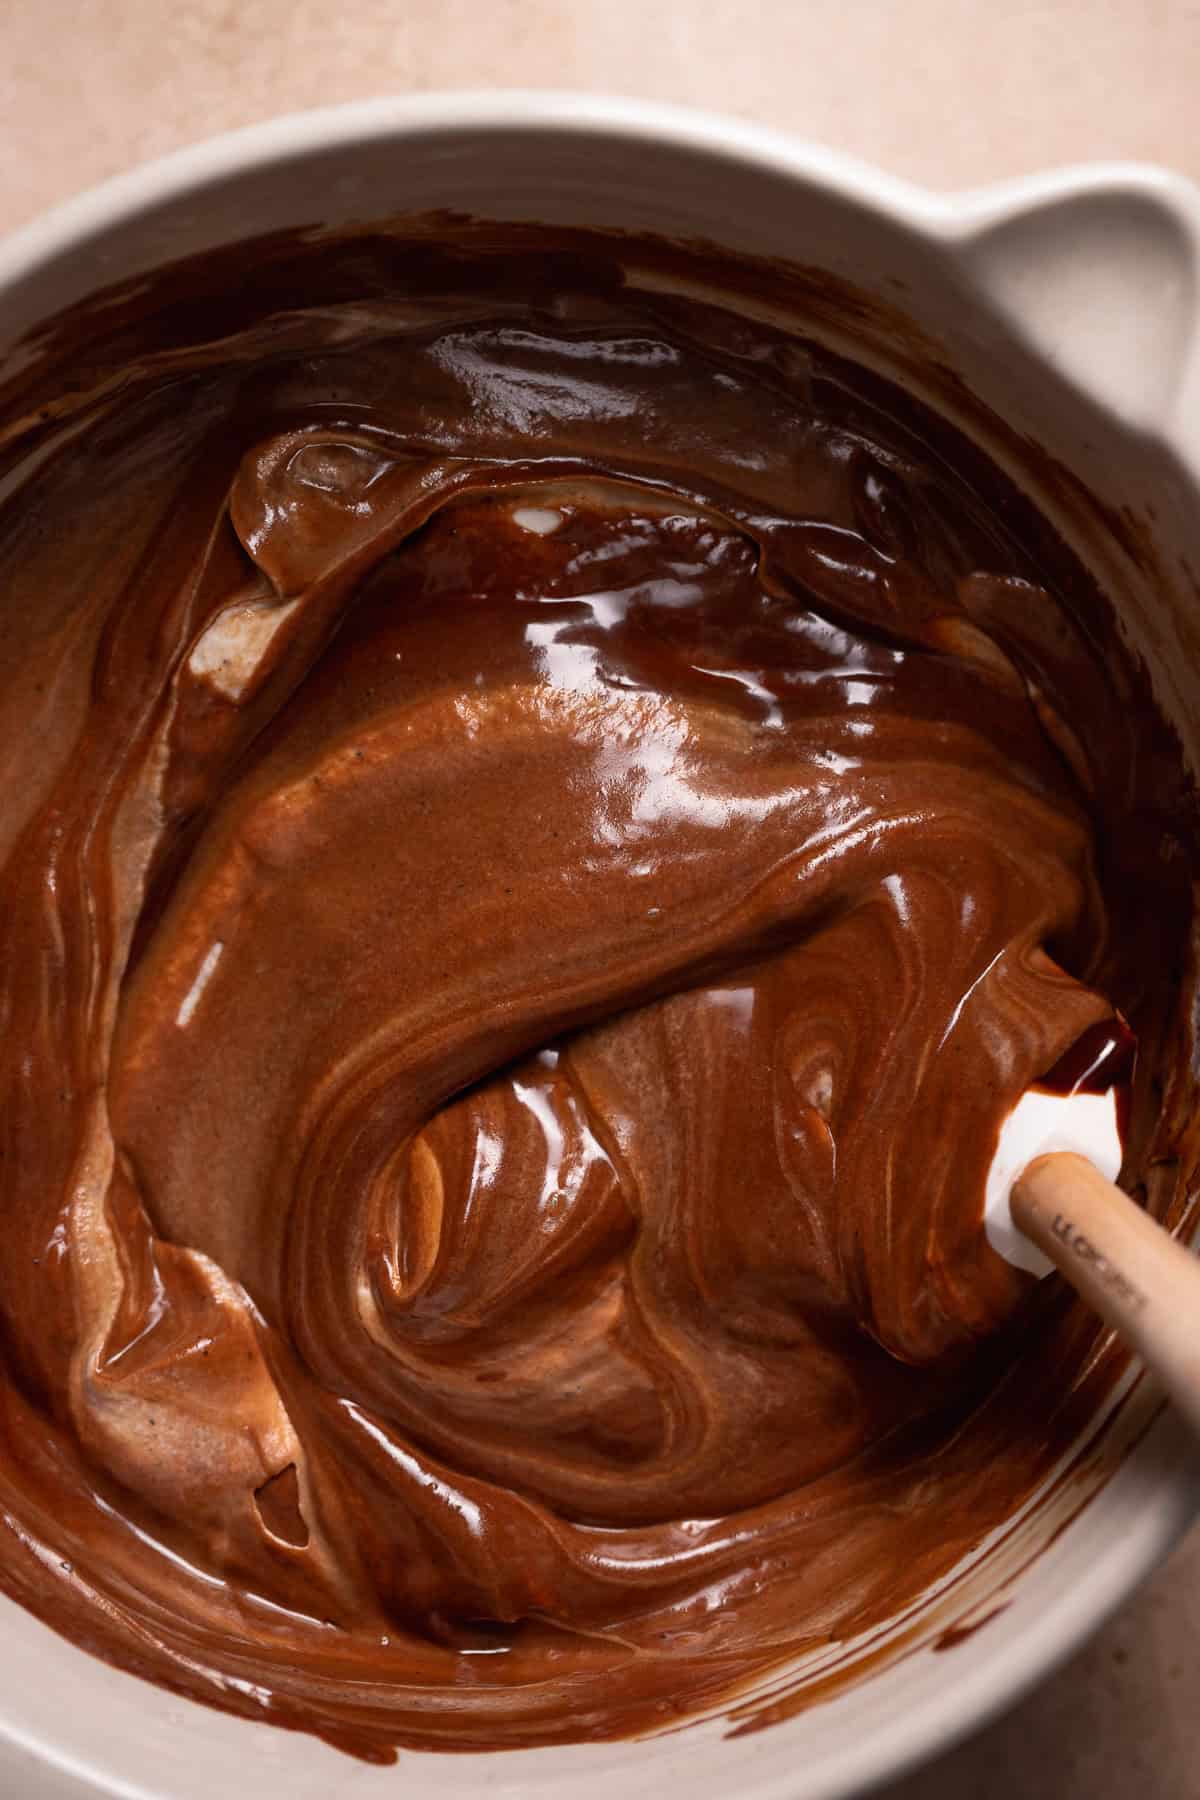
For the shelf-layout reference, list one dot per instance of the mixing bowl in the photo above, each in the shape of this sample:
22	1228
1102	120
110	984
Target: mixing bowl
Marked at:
1057	320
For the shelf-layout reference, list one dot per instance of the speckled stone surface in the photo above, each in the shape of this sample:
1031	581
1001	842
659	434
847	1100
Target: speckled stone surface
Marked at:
949	92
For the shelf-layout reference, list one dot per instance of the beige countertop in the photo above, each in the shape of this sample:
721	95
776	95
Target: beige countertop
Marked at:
948	92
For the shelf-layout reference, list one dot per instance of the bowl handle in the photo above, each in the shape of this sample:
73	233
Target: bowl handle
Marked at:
1098	270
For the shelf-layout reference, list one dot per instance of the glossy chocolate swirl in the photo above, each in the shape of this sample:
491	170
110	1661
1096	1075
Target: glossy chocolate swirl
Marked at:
545	828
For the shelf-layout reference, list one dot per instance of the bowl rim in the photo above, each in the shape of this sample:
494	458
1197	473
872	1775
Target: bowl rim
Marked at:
949	217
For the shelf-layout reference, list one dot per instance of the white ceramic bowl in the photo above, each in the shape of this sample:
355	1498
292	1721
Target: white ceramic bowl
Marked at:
1068	304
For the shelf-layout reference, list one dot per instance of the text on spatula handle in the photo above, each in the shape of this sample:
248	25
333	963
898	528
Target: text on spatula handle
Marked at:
1083	1247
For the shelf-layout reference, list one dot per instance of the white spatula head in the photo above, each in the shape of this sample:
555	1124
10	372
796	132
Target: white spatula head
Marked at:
1088	1124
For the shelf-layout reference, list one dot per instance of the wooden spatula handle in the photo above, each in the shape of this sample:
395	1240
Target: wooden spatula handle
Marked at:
1134	1274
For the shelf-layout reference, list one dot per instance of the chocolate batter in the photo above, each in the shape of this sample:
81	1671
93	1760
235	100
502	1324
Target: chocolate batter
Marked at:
545	827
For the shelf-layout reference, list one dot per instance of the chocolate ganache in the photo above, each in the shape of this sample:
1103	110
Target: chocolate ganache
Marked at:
545	826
